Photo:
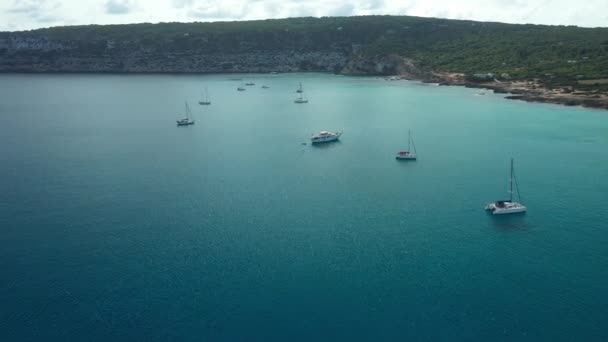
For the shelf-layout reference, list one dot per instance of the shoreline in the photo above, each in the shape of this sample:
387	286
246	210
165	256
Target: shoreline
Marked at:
527	90
523	90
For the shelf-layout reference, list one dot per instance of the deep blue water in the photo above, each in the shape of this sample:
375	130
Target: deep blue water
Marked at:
116	225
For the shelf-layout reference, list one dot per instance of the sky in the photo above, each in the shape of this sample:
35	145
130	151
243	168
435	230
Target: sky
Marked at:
31	14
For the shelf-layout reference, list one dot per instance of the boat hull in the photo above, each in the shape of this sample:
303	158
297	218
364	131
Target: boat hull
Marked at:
185	123
204	103
505	208
408	156
325	139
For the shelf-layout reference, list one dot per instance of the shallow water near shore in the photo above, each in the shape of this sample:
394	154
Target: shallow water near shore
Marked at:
118	225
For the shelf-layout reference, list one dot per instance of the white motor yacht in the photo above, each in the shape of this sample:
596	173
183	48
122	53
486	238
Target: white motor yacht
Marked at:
325	136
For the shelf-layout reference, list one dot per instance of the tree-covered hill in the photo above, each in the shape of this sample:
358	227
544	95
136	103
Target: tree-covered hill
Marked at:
559	53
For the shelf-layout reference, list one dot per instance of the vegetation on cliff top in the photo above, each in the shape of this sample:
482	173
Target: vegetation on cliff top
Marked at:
557	54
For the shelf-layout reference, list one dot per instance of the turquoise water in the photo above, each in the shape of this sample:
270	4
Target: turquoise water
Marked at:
118	225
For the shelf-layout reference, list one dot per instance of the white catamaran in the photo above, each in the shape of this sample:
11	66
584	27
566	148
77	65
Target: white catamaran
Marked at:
188	119
508	206
325	136
408	155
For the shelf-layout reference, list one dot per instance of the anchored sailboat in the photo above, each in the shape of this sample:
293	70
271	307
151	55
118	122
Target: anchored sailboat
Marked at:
508	206
301	98
188	119
205	100
408	154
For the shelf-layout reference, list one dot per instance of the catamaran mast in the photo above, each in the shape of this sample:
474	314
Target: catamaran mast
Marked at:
511	182
414	146
409	139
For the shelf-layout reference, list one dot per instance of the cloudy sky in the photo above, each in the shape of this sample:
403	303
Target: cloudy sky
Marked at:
29	14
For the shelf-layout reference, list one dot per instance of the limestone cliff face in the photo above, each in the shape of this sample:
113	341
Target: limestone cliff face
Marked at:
384	65
138	62
236	52
27	52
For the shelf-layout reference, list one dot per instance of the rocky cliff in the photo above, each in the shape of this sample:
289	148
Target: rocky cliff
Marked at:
304	44
40	54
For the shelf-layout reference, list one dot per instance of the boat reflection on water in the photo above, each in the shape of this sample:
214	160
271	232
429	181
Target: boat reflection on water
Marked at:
509	222
327	144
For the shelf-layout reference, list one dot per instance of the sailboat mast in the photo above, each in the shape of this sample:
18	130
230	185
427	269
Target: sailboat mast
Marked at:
188	112
511	182
409	139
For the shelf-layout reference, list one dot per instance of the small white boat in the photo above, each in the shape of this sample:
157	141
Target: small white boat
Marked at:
250	83
187	120
507	206
300	90
265	87
205	100
408	154
241	88
325	136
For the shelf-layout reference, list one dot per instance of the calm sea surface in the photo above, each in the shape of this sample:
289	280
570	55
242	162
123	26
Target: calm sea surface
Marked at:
116	225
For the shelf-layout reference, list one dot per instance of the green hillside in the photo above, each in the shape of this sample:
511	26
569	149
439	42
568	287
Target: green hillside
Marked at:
556	53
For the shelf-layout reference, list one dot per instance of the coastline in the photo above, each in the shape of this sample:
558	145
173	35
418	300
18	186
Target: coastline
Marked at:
525	90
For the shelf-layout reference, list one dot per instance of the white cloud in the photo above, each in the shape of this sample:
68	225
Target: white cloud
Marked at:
37	11
215	10
119	6
182	3
25	6
28	14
